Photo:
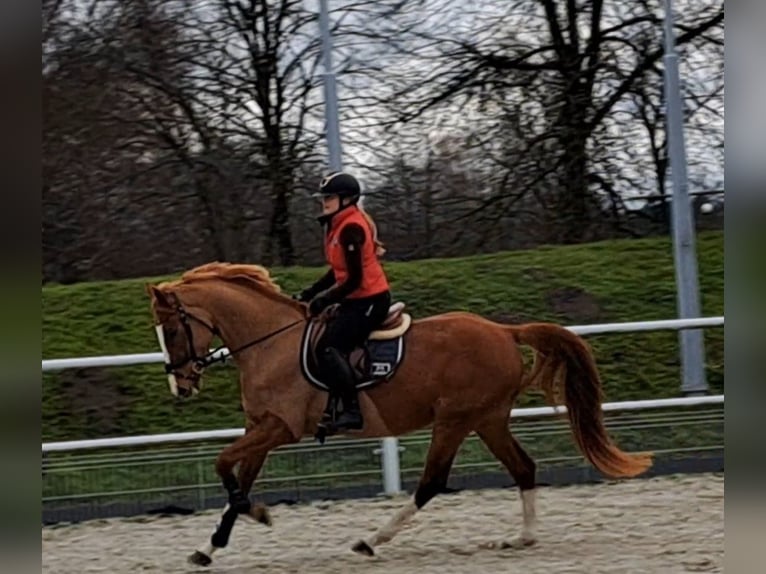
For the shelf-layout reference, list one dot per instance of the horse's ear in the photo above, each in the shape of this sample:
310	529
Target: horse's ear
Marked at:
158	295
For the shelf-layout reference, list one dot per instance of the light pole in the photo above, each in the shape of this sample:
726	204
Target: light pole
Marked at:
687	288
330	94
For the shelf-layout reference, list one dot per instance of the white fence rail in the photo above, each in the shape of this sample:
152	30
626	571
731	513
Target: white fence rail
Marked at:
389	451
148	358
232	433
389	446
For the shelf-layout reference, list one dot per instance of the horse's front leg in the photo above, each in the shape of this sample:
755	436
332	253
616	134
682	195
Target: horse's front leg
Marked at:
248	471
250	452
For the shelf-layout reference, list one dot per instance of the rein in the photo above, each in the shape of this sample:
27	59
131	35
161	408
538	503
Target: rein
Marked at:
214	356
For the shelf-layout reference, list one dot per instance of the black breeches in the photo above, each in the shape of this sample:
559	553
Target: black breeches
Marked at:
355	320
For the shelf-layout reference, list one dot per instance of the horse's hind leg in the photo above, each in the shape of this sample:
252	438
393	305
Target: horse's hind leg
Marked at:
445	441
497	436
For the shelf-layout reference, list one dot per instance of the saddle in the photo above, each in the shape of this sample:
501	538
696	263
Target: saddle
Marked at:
396	323
374	361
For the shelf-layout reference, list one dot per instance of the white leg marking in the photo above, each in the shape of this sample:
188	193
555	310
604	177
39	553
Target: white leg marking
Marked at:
387	533
208	547
528	536
529	530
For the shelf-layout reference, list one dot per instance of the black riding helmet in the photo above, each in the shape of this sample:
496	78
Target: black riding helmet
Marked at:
344	185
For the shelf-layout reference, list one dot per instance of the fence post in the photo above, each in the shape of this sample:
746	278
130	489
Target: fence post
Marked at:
200	480
392	480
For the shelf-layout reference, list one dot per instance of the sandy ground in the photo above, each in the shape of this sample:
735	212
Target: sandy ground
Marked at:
668	525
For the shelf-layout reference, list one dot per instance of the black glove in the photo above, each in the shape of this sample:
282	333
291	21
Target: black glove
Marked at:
304	296
318	304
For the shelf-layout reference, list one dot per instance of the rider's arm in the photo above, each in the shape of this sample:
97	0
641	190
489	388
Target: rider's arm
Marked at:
325	282
351	240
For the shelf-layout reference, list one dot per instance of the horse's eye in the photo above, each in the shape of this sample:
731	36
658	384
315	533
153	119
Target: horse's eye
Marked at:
171	332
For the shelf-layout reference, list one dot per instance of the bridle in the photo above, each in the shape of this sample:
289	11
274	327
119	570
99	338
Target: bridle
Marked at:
200	363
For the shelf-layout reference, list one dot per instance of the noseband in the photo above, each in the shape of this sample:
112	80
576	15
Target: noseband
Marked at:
198	363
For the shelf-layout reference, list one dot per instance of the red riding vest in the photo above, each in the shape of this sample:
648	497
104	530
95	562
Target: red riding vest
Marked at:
373	278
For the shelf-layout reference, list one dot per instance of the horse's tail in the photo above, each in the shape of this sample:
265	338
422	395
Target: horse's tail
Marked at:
564	363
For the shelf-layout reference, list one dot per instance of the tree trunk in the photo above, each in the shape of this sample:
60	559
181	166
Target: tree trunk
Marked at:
573	201
279	227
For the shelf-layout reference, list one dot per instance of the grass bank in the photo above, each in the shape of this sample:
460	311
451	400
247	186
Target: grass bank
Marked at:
627	280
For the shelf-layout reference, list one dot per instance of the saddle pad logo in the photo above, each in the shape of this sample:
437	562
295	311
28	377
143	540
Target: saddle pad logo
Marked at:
379	369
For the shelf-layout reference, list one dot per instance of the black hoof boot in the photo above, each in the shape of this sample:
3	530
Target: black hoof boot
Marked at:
239	502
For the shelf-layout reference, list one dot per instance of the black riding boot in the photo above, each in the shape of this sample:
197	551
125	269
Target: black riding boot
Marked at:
341	374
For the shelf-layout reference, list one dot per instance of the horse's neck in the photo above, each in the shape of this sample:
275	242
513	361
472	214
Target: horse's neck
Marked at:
243	315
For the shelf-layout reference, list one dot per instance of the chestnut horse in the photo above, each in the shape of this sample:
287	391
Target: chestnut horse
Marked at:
461	373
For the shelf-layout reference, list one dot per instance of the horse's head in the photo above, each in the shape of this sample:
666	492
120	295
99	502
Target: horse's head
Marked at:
184	338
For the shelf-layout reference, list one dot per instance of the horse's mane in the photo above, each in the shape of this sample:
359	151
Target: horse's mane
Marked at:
248	275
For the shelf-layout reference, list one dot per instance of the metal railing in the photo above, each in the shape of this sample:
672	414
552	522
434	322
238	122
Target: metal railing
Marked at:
232	433
389	446
135	479
598	329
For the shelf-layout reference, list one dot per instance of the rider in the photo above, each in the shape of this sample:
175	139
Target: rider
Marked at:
356	281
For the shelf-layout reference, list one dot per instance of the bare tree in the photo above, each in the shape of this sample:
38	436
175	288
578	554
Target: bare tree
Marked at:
181	131
570	65
218	96
103	153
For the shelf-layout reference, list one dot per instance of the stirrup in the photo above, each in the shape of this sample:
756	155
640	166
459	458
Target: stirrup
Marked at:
326	425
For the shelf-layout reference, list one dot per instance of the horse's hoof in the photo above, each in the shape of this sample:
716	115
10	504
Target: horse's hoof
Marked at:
200	559
259	513
518	543
362	547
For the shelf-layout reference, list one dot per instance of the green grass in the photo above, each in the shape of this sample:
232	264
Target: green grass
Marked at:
627	280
